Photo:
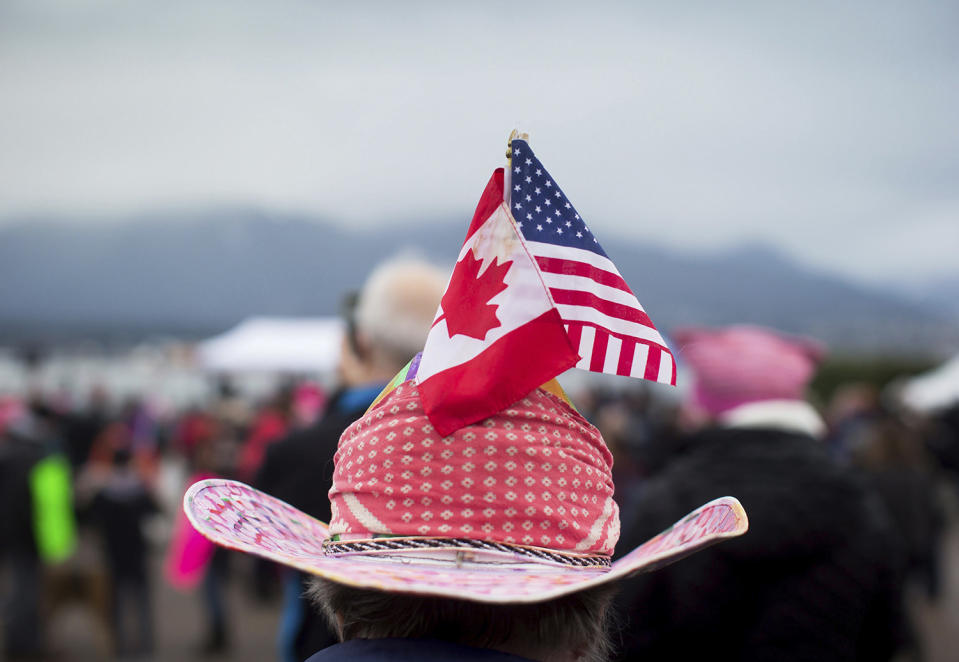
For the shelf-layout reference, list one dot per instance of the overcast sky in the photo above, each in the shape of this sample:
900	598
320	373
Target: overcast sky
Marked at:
826	129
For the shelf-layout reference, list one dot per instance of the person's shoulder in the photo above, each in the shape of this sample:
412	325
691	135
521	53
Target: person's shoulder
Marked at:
300	448
303	438
281	455
741	447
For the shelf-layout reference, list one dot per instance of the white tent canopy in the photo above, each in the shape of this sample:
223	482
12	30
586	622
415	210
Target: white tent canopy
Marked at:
936	389
275	344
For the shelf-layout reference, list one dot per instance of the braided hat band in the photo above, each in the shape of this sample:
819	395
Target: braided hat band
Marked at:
459	551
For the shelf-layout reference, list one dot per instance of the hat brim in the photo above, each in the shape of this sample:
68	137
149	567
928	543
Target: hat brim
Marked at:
240	517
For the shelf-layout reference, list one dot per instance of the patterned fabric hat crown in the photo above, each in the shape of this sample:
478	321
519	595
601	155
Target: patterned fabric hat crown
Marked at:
535	474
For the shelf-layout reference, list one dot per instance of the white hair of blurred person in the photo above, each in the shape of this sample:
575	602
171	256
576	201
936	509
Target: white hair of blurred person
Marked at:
393	315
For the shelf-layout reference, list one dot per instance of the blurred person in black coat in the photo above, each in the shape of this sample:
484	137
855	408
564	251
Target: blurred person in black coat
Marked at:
819	574
386	325
889	450
119	508
942	439
81	428
22	446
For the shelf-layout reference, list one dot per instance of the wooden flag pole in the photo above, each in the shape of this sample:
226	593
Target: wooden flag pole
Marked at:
507	178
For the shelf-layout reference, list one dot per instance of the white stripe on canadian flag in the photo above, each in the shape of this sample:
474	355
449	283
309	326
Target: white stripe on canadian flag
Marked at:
485	352
497	240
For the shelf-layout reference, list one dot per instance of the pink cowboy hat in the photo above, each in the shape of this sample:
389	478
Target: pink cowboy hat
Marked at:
516	508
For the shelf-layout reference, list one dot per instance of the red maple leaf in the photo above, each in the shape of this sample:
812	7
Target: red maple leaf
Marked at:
466	304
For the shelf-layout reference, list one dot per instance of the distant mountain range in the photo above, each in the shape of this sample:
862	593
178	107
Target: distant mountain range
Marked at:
939	294
197	273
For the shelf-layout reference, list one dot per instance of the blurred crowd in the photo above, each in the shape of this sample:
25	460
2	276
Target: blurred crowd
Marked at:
80	482
848	500
89	492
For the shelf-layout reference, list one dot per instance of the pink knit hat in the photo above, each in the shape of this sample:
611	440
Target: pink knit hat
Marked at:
516	508
737	365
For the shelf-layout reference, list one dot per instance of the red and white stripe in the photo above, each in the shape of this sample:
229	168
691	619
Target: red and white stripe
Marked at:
603	318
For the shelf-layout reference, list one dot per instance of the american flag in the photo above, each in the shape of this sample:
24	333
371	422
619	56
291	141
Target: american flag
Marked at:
603	318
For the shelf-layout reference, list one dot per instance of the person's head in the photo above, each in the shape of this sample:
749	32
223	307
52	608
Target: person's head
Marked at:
571	628
739	365
387	322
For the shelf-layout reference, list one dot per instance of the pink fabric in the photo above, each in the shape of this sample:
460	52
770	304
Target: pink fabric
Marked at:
189	551
536	473
737	365
10	410
308	401
269	426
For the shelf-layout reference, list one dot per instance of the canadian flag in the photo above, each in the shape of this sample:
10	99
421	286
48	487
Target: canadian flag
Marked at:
497	334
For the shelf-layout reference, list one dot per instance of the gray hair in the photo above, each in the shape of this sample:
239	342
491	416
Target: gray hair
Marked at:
396	307
545	630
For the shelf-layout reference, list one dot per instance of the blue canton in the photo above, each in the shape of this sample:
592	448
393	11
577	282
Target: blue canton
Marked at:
541	209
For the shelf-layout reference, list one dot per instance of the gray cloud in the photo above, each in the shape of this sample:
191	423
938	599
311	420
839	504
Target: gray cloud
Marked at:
825	130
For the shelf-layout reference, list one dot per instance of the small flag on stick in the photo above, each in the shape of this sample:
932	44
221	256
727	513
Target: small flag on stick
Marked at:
604	320
532	294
